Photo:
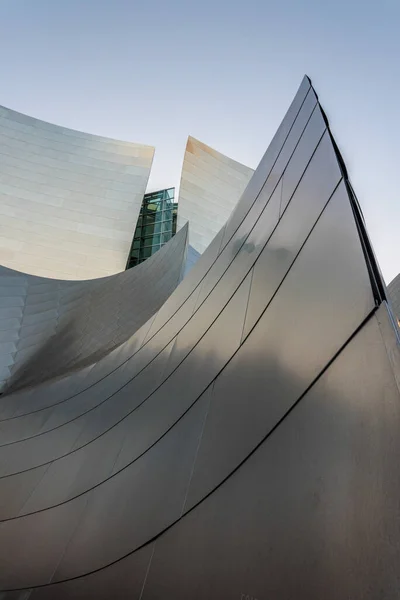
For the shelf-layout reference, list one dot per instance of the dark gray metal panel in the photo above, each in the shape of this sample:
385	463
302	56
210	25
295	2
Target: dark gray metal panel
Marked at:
325	296
15	491
22	595
313	513
31	547
76	472
134	505
125	578
114	518
318	182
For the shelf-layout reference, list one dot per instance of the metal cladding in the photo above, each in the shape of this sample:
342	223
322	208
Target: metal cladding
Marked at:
69	201
50	326
394	295
211	185
244	442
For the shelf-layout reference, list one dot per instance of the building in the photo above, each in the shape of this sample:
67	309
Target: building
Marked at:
211	185
156	225
69	201
243	441
73	214
394	295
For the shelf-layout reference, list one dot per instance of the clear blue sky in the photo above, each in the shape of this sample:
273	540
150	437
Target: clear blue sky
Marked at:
224	71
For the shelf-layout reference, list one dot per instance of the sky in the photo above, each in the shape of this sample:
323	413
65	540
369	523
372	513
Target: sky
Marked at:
224	71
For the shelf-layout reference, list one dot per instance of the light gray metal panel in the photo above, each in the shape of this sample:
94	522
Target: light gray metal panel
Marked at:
267	162
91	329
205	360
191	259
314	511
210	187
307	134
394	296
69	203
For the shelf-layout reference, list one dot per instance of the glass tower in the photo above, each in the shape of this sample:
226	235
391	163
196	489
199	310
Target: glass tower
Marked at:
156	225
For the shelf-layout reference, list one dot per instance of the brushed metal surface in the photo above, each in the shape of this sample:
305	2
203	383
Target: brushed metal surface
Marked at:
243	442
64	325
210	187
69	201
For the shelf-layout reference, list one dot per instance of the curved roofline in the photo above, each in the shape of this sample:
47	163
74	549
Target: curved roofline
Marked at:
36	122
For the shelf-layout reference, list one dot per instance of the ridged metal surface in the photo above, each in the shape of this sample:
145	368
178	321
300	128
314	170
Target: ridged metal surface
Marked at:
211	185
69	201
50	326
244	442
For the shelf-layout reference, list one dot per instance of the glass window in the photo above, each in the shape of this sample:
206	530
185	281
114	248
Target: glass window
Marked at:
155	226
145	252
166	237
155	239
148	230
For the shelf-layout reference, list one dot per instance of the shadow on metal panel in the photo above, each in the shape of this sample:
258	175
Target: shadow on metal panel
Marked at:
243	443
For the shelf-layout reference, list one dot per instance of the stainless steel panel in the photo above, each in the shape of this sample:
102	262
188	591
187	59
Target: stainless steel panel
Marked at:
318	301
313	191
125	578
308	126
134	505
31	547
243	442
64	341
47	184
15	491
267	162
210	187
314	511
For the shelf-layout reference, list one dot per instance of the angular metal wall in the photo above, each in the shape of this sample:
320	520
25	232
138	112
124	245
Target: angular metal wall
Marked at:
244	442
69	201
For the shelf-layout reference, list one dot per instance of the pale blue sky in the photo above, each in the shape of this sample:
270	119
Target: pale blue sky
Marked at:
224	71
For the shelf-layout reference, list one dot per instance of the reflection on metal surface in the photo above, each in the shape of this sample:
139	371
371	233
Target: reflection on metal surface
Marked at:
69	201
50	327
244	441
211	185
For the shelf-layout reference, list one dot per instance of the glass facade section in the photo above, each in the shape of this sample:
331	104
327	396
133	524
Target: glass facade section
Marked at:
155	227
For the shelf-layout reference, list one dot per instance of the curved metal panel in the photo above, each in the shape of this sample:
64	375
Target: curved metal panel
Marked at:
58	326
314	511
69	201
211	185
235	423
